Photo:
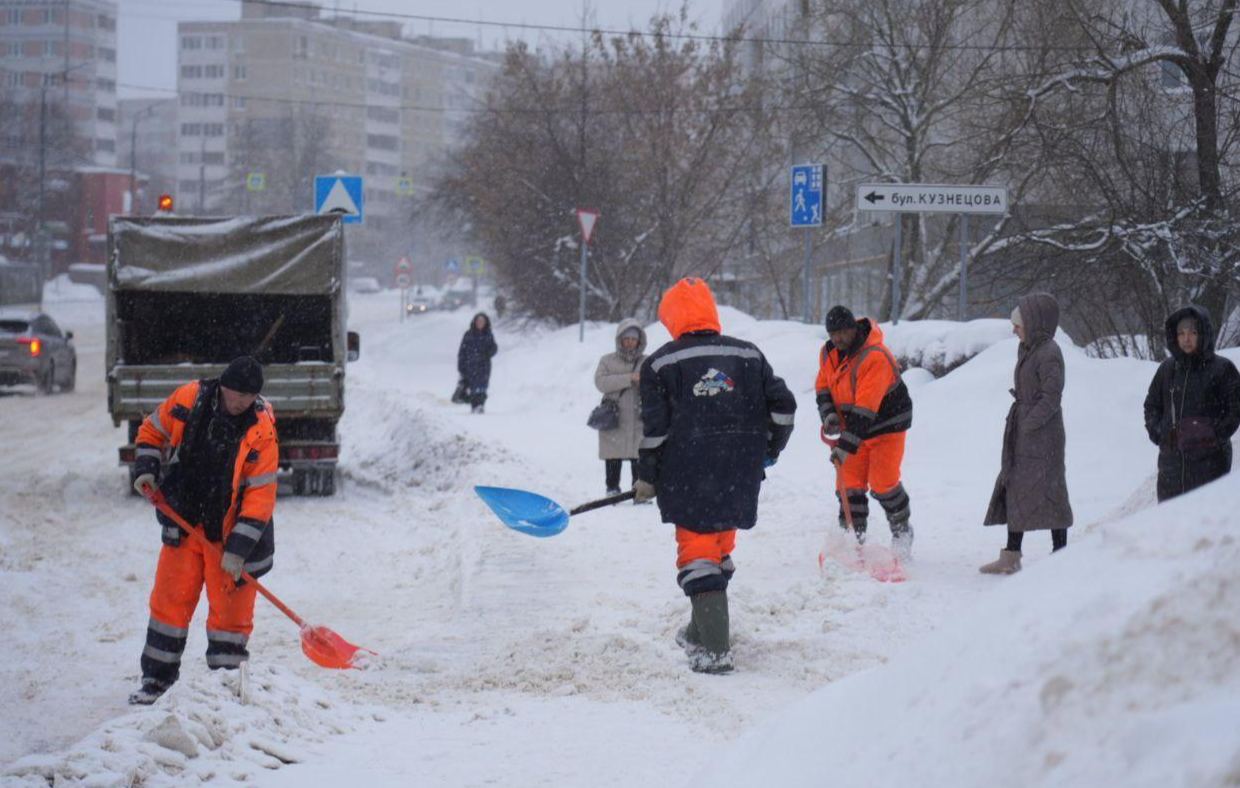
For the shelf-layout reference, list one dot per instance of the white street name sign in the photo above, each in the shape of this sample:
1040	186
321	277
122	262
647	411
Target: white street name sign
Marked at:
931	198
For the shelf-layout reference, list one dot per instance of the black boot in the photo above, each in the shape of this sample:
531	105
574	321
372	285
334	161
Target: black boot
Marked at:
151	691
710	618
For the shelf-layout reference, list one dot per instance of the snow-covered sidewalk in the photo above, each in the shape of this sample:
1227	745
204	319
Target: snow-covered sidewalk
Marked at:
505	658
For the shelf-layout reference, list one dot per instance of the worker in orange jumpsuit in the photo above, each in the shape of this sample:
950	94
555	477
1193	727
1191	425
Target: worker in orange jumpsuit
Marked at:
862	398
211	448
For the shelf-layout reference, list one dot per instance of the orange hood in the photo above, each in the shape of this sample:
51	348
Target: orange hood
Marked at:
689	306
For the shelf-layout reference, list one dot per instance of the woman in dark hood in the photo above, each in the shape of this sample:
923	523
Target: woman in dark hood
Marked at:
473	360
1193	406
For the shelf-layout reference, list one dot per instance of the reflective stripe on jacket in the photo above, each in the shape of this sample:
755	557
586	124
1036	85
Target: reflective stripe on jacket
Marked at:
865	387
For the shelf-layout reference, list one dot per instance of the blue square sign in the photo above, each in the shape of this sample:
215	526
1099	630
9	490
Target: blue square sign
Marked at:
806	206
339	194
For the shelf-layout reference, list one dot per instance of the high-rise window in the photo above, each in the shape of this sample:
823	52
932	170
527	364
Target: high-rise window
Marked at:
239	72
191	42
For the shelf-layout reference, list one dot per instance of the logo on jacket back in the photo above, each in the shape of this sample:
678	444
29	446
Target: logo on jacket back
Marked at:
712	383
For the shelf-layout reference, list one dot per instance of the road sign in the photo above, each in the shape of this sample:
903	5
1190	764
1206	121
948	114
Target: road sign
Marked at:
403	264
586	218
805	206
931	198
255	181
404	187
403	279
340	194
452	266
475	265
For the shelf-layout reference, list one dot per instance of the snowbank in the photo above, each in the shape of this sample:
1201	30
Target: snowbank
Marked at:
942	345
201	731
62	288
1115	663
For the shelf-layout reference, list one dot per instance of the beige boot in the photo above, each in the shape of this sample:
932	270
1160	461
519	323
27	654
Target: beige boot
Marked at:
1008	564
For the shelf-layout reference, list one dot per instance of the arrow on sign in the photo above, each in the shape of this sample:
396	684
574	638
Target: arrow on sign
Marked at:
874	197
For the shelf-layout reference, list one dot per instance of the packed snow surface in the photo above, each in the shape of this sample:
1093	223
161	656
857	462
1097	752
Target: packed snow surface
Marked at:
551	662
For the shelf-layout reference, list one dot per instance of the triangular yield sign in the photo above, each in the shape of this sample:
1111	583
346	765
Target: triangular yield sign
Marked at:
403	264
587	218
339	201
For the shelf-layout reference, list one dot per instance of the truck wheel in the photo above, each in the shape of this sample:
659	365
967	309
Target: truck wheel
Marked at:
327	481
299	481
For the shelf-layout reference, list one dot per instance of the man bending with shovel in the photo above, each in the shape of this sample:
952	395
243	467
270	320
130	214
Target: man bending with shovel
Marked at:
215	442
713	415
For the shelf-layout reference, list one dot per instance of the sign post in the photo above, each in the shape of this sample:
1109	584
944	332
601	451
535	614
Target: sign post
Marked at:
403	272
902	198
805	209
586	218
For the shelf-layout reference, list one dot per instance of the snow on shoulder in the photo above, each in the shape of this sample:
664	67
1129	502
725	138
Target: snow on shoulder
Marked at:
1113	663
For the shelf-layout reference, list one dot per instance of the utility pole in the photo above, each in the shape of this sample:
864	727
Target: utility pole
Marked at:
202	171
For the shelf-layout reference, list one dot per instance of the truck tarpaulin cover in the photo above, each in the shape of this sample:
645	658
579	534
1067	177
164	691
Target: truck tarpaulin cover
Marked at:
250	254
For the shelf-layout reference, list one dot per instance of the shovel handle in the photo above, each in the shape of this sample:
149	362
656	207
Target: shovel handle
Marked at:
162	505
610	500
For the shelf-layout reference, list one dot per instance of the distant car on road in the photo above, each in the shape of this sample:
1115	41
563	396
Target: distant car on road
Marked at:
34	350
418	305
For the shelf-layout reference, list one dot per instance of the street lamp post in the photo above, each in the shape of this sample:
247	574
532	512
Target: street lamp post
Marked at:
42	246
145	112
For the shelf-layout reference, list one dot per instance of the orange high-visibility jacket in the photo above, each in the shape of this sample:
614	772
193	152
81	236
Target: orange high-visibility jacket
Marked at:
864	387
253	498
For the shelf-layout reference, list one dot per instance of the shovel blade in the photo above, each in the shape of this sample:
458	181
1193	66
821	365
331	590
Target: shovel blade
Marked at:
327	649
525	511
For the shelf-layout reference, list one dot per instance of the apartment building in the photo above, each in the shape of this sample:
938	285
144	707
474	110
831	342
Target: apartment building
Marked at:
62	52
291	93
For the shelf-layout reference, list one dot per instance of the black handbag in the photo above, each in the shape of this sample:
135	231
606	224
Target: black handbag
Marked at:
605	416
460	395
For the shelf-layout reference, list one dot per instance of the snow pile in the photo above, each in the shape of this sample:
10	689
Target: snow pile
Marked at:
62	288
201	732
1117	662
942	345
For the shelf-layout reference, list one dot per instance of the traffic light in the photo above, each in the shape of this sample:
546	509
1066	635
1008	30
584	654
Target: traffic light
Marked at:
165	203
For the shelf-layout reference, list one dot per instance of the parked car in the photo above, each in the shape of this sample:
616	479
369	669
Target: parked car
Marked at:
34	350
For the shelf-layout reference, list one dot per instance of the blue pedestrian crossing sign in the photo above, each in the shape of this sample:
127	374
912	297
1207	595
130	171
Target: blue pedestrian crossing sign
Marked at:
806	203
452	266
339	194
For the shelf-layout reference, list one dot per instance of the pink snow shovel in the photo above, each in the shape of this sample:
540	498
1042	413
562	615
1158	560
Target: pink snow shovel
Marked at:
882	564
321	644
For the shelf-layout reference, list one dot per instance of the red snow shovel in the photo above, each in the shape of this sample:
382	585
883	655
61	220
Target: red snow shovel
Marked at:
322	645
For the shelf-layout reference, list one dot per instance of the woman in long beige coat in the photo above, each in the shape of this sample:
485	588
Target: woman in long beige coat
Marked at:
617	376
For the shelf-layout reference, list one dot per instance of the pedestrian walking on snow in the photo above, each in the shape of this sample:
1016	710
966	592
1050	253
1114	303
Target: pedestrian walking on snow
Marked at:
713	414
1031	493
473	360
1193	406
211	448
862	398
617	377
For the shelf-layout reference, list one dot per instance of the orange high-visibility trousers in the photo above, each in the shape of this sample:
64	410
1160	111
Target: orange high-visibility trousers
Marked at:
876	465
704	561
179	578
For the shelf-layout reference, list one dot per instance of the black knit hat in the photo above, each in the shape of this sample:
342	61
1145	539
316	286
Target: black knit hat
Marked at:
840	318
244	375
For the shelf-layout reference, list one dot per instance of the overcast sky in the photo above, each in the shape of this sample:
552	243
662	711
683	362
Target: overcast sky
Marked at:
147	28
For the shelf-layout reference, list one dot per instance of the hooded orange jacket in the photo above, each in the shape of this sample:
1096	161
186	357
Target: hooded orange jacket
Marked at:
864	387
253	499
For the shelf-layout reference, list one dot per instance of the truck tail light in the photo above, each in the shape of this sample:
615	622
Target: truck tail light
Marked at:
310	452
36	347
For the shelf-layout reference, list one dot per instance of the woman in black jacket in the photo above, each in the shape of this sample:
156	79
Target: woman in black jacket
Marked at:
1193	407
473	360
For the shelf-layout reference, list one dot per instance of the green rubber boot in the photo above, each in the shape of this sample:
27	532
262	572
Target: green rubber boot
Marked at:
710	618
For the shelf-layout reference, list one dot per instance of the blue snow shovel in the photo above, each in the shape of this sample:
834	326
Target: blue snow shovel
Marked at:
534	514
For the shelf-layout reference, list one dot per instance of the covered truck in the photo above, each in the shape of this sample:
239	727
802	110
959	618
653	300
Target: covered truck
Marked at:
187	295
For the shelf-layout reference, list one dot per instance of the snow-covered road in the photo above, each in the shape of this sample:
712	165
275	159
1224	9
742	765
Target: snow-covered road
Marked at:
506	659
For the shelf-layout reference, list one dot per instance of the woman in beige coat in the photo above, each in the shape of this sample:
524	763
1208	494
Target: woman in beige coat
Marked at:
617	376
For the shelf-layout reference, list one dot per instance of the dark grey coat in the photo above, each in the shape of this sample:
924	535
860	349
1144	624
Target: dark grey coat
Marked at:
1031	493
